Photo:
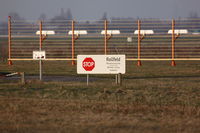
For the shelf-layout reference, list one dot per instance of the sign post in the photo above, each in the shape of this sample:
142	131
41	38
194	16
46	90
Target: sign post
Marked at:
40	67
101	64
88	64
87	79
39	55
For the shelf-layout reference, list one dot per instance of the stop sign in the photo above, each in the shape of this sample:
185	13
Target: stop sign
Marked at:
88	64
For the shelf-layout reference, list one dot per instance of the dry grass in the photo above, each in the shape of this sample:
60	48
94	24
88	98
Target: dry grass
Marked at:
73	107
47	115
154	98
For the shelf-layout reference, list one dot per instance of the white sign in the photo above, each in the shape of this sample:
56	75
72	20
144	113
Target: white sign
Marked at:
101	64
39	55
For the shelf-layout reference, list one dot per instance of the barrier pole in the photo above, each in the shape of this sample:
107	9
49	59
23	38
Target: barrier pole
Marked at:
73	42
139	44
173	43
105	36
9	41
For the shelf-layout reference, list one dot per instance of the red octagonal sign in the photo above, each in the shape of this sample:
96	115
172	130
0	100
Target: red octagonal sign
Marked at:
88	64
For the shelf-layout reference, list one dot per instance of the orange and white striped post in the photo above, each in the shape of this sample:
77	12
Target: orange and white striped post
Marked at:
139	44
73	42
173	43
9	40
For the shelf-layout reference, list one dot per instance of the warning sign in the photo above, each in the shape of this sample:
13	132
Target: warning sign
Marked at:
101	64
88	64
39	55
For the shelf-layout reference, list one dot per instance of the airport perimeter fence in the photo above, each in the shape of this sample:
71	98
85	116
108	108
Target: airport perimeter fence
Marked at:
3	41
139	40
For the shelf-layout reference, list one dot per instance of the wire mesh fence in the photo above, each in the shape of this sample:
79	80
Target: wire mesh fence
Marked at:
3	41
145	39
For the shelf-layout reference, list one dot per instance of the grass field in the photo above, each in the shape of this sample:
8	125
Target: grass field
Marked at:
153	98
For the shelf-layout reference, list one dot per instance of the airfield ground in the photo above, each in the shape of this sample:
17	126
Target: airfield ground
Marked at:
153	98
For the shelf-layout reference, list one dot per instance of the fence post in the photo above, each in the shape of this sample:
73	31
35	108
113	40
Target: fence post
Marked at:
41	36
9	40
22	77
105	36
139	44
173	43
40	48
73	42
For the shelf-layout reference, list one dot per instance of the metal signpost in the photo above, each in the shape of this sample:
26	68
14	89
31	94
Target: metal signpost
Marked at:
101	64
39	55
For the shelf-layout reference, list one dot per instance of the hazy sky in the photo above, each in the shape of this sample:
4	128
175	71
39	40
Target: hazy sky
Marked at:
94	9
